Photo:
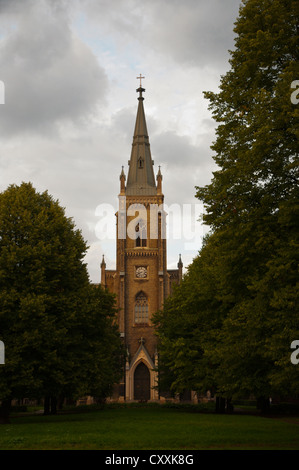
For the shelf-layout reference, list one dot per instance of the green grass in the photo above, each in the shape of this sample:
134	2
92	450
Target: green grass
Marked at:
148	428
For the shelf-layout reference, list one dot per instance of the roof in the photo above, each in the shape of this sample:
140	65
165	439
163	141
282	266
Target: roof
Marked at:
141	178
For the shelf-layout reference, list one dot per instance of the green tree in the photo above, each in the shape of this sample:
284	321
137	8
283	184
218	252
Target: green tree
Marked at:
189	322
229	325
46	301
252	201
103	362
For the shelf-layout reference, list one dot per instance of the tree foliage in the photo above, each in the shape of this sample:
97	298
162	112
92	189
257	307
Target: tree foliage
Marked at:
56	327
251	305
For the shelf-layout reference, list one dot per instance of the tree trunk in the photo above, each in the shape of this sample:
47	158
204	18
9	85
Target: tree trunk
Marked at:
60	402
50	405
229	406
47	405
263	404
4	411
53	405
220	405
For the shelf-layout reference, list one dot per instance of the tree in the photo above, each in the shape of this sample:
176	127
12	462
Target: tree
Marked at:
46	300
257	138
230	324
102	364
189	322
252	201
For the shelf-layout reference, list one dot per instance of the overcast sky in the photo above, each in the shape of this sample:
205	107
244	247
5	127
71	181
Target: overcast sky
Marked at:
69	70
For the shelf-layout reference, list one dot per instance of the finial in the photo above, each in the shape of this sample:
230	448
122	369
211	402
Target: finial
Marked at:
140	89
122	175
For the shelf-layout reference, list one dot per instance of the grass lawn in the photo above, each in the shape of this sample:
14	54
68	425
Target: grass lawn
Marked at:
148	428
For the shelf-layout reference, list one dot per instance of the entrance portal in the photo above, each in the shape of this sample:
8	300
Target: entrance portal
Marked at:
141	383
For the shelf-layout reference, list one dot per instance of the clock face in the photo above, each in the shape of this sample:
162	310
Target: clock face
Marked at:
141	272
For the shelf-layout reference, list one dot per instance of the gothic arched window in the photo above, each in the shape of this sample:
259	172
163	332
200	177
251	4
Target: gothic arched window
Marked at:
141	308
141	234
140	162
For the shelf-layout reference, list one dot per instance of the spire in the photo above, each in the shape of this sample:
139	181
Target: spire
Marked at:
122	181
103	272
141	178
122	175
180	263
180	268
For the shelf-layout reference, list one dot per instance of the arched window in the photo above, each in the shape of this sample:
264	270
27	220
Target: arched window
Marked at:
141	308
140	162
141	235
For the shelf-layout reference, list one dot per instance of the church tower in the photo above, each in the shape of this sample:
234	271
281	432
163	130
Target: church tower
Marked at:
141	280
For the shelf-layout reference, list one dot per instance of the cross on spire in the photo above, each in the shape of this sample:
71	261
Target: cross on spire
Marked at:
140	78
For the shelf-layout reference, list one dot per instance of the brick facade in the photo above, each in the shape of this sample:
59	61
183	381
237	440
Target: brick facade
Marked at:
141	280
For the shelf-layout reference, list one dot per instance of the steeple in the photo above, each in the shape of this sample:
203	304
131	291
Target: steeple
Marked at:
141	178
140	281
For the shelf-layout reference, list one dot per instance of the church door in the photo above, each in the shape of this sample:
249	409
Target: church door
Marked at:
141	383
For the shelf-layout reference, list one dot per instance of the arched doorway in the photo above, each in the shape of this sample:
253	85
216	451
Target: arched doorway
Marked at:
141	383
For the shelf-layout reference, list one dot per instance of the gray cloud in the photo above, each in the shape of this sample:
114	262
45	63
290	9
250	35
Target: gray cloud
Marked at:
193	32
190	32
50	75
69	69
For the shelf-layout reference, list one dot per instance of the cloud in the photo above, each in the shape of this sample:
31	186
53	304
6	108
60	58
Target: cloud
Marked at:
190	32
70	68
51	77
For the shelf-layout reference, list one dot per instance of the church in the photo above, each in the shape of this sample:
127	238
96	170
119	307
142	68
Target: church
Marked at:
141	280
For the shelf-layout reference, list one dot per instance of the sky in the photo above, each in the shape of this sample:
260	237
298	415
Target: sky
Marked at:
68	75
